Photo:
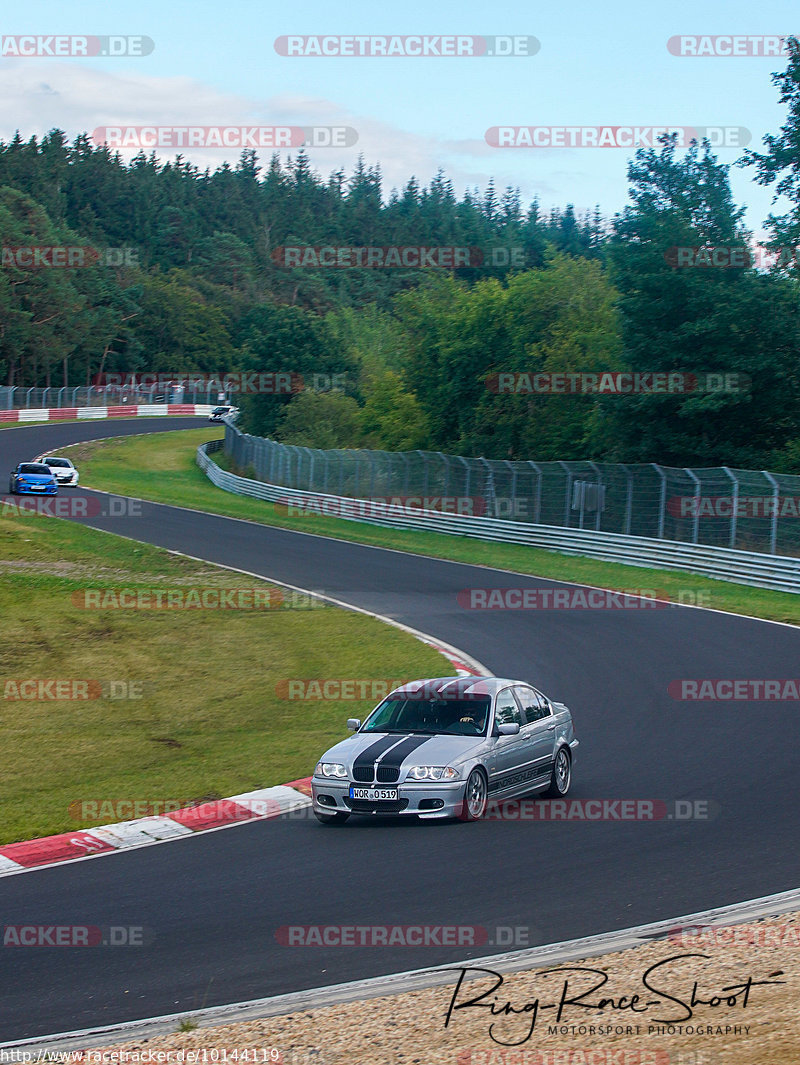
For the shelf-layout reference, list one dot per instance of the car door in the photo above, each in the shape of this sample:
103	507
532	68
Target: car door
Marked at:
539	732
510	752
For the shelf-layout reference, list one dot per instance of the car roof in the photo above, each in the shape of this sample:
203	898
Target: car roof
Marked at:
454	687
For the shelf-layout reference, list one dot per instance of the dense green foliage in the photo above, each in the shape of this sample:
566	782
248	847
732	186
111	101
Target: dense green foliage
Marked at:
403	358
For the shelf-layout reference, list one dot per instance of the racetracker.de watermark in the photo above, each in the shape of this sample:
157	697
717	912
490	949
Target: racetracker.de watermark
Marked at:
195	599
733	506
232	136
616	383
71	506
397	935
65	689
727	45
760	934
370	257
407	46
302	506
614	136
337	689
732	257
83	46
75	935
251	383
735	689
592	810
107	810
64	257
373	689
399	256
579	598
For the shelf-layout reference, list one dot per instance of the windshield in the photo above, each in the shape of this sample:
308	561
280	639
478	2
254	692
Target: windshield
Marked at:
466	716
33	467
56	462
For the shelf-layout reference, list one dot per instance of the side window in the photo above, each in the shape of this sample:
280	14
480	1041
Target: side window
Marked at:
507	712
533	703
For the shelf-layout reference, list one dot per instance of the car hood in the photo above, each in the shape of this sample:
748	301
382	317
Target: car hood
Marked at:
36	478
403	750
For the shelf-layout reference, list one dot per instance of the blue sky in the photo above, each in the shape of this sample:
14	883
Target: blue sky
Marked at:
598	65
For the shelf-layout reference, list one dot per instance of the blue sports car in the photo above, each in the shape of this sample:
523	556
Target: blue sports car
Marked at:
34	478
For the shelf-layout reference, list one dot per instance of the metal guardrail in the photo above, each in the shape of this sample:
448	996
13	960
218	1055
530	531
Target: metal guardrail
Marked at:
779	573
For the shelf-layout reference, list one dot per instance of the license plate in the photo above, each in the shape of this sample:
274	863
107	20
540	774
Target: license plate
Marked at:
374	794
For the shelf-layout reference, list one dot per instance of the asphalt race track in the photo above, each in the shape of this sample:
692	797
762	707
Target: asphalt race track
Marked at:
211	904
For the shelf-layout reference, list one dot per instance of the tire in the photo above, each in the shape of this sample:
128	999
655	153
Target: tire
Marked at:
476	797
338	818
561	777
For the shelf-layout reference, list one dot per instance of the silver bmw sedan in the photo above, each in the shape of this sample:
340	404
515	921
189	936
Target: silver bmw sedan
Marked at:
446	747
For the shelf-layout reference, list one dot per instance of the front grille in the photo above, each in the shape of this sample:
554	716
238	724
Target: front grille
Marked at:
363	806
363	774
388	774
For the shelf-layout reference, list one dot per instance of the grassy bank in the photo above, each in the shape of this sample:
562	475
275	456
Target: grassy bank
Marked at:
162	467
186	703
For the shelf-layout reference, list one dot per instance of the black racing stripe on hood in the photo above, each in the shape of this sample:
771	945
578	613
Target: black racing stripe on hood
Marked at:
371	754
395	758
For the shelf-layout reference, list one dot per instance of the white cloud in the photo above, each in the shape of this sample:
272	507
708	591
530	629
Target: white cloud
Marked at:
41	95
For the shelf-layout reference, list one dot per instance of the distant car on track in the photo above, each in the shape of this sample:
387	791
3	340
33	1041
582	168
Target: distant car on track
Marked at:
443	748
218	413
62	469
34	478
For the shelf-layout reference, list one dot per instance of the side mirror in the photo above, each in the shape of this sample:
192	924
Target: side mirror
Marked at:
512	729
354	724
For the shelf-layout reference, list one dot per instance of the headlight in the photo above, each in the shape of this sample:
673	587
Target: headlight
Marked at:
330	769
432	772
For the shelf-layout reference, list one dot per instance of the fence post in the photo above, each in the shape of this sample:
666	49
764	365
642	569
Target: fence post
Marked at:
596	469
513	502
735	507
773	533
628	499
489	489
696	518
310	454
568	495
663	503
446	462
469	471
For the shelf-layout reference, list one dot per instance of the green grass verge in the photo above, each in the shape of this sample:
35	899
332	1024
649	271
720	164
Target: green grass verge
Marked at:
208	718
162	467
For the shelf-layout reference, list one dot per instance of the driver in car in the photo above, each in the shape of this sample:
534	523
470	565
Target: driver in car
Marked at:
476	718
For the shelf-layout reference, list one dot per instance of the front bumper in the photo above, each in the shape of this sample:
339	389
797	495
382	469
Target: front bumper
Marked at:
36	490
415	799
